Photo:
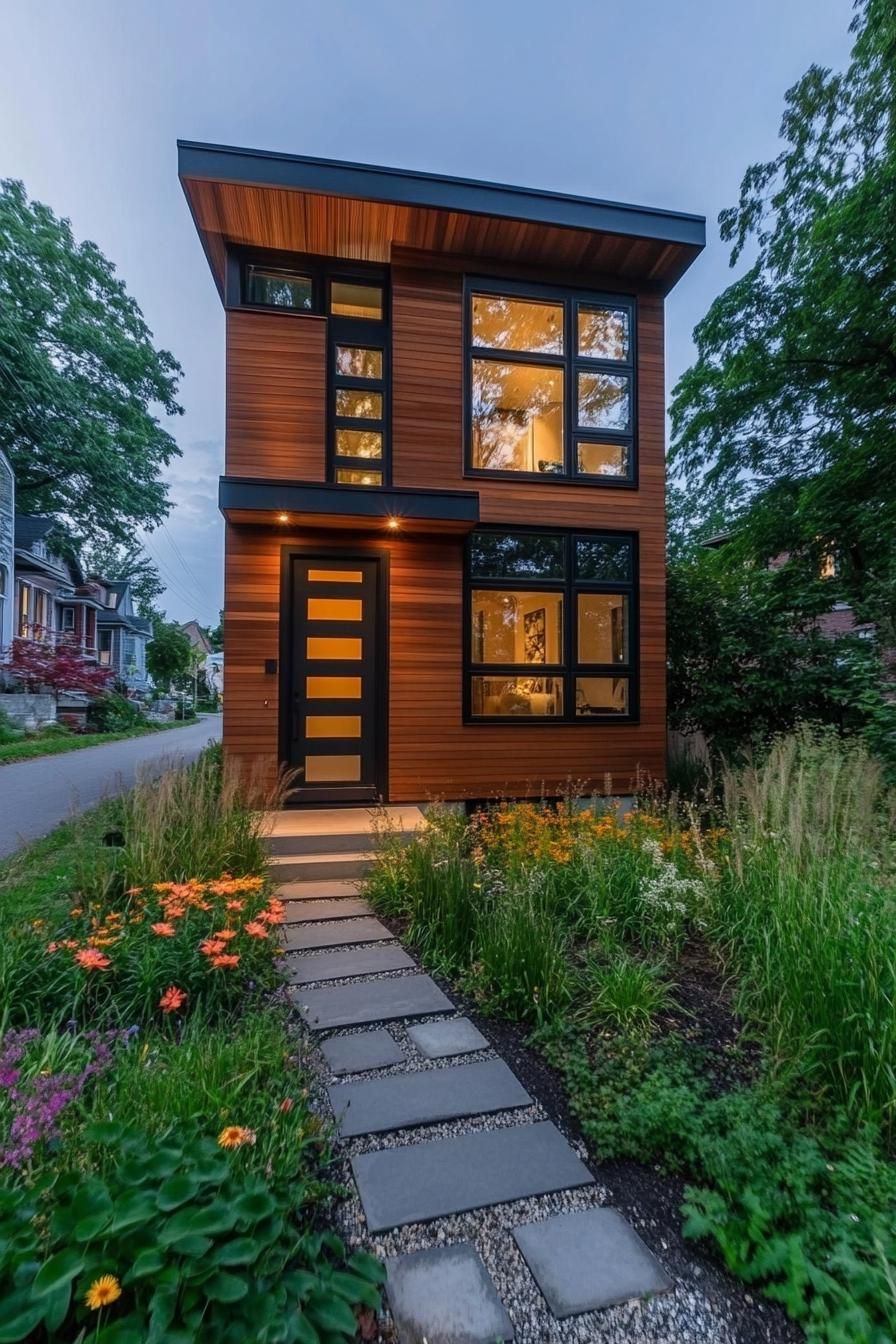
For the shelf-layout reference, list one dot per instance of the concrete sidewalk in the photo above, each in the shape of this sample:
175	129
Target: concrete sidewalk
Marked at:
37	795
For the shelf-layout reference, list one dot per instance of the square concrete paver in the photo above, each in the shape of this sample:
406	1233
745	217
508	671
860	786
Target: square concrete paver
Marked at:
426	1097
371	1001
346	962
339	933
583	1261
366	1050
421	1181
445	1296
454	1036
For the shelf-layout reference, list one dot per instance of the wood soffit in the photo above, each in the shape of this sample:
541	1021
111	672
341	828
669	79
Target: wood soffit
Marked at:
362	213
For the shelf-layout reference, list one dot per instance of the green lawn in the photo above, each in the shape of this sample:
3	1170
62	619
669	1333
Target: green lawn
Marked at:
28	748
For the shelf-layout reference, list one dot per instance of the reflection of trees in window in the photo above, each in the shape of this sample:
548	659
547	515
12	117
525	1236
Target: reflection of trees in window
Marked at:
502	323
517	416
500	555
604	401
603	333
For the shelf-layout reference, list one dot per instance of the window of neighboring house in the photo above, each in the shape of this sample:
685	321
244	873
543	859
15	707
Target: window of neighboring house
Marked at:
355	302
130	655
24	618
551	629
104	647
68	619
42	619
551	384
4	581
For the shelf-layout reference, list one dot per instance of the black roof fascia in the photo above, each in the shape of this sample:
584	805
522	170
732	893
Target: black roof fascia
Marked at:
266	496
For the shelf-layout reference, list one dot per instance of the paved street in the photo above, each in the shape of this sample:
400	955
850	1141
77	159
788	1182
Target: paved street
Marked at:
37	795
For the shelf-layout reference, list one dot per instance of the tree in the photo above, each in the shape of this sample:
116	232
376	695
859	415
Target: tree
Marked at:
112	560
788	415
747	658
216	634
80	380
168	653
58	667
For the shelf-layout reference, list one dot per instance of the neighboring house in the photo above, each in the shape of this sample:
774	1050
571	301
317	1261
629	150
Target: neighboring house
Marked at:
52	599
198	638
444	489
214	674
122	635
7	552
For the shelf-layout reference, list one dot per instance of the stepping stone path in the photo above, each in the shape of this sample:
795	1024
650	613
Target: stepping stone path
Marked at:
337	933
363	1051
381	1104
453	1036
580	1261
445	1294
340	965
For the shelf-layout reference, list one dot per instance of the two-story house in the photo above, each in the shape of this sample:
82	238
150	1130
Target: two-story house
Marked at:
122	635
52	600
444	479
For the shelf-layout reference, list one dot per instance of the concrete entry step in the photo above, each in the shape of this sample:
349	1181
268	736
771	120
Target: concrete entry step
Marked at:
425	1098
346	962
301	823
588	1260
445	1296
327	841
346	907
318	867
338	933
318	889
422	1181
371	1001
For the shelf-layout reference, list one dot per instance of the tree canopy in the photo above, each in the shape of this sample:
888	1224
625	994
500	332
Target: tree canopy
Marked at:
786	423
81	383
125	562
168	653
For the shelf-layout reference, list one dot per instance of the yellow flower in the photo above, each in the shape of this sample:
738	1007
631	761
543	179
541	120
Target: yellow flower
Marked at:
102	1292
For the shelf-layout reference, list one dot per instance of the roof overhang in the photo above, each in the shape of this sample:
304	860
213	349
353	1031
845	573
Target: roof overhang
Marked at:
357	211
267	503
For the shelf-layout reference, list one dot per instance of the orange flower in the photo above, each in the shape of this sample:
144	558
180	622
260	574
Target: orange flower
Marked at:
172	999
235	904
164	930
225	962
225	934
255	930
76	913
52	947
272	917
234	1136
92	959
212	946
133	891
286	1106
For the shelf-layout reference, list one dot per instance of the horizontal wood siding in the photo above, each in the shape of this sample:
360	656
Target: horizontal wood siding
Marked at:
431	752
276	396
276	412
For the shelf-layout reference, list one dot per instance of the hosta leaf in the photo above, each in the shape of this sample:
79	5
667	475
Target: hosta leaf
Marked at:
149	1261
224	1287
331	1314
368	1267
20	1316
239	1251
91	1226
254	1206
59	1270
192	1245
305	1331
132	1208
56	1308
176	1191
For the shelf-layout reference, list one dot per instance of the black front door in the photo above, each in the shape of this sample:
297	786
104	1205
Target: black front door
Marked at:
335	729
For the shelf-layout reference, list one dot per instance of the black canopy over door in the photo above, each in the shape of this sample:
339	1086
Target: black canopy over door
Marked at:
335	729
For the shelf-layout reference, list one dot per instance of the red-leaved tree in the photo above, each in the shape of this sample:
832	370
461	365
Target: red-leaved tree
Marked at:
41	665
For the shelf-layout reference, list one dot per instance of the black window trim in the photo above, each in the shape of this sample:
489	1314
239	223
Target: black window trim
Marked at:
372	333
571	363
571	669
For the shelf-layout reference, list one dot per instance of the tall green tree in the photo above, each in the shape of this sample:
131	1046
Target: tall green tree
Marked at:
81	382
788	416
128	562
168	654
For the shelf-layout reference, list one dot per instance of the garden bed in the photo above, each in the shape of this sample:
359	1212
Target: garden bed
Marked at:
30	747
163	1174
705	994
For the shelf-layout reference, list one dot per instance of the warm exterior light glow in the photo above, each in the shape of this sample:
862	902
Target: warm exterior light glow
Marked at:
394	524
284	517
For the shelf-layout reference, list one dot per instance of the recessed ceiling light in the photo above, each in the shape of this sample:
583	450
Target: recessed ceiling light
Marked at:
394	524
284	517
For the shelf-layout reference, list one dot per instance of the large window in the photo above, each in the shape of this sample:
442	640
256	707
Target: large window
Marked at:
551	626
551	382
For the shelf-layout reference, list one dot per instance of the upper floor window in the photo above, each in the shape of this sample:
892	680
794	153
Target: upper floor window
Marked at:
551	383
355	302
68	619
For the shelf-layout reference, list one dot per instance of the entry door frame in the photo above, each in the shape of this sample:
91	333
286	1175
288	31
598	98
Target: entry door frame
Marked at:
331	552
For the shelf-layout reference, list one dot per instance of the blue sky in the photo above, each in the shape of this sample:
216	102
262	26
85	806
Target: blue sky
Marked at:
648	101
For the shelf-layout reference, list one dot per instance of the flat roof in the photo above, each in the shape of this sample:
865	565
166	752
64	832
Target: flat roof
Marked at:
402	186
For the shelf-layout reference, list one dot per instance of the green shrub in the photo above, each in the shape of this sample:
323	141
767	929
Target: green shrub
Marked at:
114	713
617	990
8	731
188	1245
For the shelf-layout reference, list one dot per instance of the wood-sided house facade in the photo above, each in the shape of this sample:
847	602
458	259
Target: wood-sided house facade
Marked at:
444	477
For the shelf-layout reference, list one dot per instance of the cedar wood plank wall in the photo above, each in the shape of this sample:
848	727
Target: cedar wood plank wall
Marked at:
275	428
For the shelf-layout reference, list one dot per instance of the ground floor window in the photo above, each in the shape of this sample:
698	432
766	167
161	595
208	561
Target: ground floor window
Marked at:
551	628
